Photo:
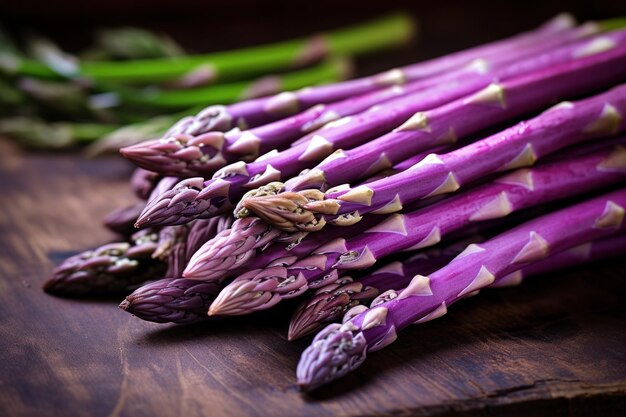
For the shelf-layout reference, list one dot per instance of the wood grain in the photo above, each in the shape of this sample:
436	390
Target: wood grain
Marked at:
554	346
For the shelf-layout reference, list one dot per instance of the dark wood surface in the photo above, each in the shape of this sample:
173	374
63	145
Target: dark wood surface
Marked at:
553	347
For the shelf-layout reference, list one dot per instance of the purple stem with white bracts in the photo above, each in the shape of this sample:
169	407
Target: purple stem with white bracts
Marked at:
520	145
350	296
256	112
252	244
187	156
329	303
341	348
194	199
597	250
232	249
423	228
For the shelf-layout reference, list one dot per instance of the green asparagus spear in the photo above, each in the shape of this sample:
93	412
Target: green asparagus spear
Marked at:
237	64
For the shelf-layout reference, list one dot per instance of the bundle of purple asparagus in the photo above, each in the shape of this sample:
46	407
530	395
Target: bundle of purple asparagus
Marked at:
475	106
197	146
430	204
341	348
422	228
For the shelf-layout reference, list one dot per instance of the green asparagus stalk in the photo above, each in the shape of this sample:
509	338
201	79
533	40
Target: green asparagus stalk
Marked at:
327	71
237	64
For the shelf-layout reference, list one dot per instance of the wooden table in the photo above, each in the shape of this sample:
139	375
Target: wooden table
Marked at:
554	346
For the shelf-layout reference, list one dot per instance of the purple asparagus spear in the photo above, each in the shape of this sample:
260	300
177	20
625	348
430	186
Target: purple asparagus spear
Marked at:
194	199
187	156
422	228
109	268
234	248
330	302
256	112
251	243
349	296
608	248
341	348
172	300
520	145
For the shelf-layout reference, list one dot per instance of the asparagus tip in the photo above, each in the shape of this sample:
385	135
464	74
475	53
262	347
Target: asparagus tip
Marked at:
125	305
286	210
168	207
335	351
256	290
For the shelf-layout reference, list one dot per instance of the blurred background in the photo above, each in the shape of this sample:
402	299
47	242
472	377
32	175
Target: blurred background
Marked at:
192	26
206	25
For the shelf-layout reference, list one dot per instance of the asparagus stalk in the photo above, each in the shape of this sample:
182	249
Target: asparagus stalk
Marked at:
598	250
422	228
233	249
327	71
110	268
193	199
178	300
329	303
172	300
132	133
339	349
252	244
174	155
188	300
122	220
349	296
246	62
253	113
520	145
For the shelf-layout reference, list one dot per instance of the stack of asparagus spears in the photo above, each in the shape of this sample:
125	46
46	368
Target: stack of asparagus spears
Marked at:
52	99
379	201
